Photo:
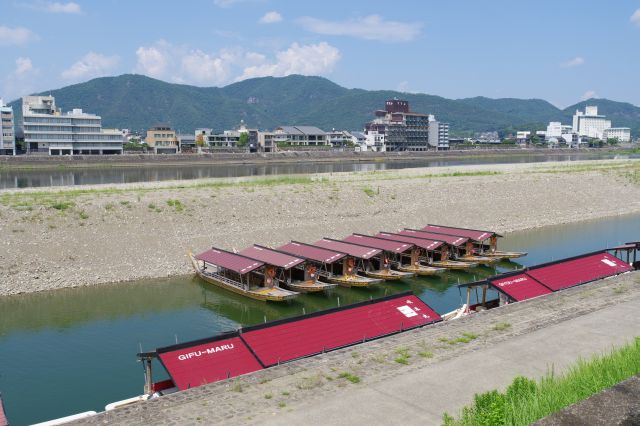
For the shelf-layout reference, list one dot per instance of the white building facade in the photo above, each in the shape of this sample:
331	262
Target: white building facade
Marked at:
7	131
47	130
622	134
589	123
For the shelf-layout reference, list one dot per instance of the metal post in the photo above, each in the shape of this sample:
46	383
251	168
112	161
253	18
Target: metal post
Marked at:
148	380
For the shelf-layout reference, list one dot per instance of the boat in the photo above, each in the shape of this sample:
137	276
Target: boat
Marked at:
421	270
355	262
479	239
481	260
505	254
327	262
291	272
389	274
379	266
238	274
452	264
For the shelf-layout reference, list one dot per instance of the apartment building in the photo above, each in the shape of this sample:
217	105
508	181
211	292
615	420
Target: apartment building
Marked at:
590	123
162	139
7	130
405	130
622	134
48	131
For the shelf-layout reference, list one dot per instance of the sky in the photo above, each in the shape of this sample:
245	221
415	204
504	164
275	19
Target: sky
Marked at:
561	51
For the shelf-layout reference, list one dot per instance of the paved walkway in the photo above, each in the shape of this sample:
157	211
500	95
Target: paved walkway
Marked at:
524	338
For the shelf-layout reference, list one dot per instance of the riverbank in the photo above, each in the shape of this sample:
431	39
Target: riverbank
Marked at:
44	162
66	237
443	366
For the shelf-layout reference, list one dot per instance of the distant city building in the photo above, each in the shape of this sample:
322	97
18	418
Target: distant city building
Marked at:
589	123
488	138
622	134
292	136
187	142
396	128
359	139
556	129
338	138
438	134
523	137
228	139
7	130
48	130
162	139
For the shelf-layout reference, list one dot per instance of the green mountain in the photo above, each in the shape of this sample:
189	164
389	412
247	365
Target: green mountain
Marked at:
137	102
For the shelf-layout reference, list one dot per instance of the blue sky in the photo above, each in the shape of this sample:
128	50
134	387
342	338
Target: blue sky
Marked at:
561	51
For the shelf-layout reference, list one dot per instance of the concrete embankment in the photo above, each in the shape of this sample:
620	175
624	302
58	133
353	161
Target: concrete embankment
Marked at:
138	160
527	338
66	237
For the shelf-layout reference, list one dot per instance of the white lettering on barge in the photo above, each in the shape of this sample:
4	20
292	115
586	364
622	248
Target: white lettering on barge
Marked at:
208	351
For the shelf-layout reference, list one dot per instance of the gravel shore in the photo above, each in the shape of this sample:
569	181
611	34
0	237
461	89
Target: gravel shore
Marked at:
67	237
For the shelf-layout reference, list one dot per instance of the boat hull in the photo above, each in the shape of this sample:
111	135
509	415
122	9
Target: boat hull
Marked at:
274	294
482	260
454	264
310	286
421	270
389	275
505	254
352	280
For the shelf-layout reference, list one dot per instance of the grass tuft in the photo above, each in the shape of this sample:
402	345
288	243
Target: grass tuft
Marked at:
350	377
501	326
526	401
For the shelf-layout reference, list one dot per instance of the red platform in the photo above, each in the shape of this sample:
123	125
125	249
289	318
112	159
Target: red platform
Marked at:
297	338
579	270
192	366
519	287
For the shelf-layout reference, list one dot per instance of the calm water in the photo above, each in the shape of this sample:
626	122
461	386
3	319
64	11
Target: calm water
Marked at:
65	176
74	350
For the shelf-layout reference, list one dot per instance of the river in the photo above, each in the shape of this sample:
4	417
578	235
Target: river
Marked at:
30	178
73	350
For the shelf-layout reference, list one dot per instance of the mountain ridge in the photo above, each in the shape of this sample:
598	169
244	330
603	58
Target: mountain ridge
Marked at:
137	102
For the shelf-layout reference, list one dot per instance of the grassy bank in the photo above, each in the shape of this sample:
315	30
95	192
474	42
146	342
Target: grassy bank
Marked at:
526	400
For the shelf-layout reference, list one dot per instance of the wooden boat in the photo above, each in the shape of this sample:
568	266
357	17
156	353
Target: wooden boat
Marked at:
272	294
421	270
482	260
505	254
352	280
453	264
309	286
388	274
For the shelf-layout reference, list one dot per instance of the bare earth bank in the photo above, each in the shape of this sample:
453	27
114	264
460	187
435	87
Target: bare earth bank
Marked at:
66	237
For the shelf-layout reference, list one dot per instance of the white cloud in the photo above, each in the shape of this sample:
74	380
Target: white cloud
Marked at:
575	62
89	66
271	18
403	86
635	18
588	95
55	7
310	59
18	36
372	27
23	66
201	67
153	60
20	81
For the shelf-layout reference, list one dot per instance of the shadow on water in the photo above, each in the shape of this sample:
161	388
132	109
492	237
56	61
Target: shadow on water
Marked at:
85	339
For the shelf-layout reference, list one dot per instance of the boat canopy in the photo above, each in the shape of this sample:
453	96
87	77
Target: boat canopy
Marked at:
379	243
578	270
519	286
472	234
196	363
449	239
271	257
228	260
287	340
310	252
418	242
354	250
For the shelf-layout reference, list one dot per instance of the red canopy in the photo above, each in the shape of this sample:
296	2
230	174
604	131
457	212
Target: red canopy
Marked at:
311	252
420	242
473	234
520	287
271	257
350	249
193	366
379	243
449	239
227	260
315	334
579	270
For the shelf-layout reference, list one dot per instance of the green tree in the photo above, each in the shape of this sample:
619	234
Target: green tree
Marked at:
200	141
244	140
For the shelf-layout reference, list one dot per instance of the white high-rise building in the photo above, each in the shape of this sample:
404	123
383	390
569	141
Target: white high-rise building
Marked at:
48	130
7	132
589	123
